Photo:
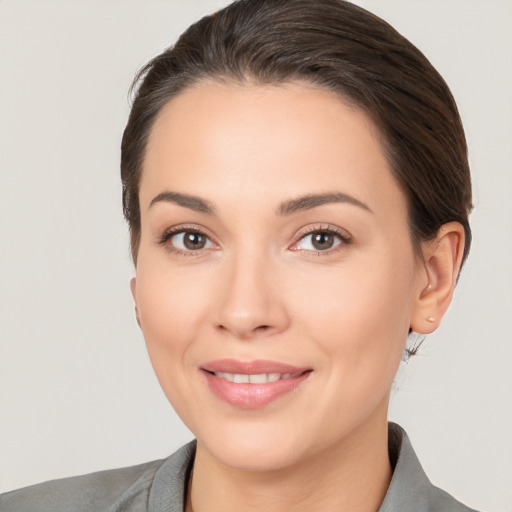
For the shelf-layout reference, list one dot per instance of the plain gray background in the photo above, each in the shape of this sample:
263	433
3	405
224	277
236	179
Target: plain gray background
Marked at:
77	392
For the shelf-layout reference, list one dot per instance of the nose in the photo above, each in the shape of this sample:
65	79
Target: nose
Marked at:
251	304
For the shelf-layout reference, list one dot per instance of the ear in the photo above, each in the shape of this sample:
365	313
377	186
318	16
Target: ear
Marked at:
437	277
133	287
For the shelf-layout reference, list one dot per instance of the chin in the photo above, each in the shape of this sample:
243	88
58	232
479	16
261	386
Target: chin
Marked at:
259	448
262	459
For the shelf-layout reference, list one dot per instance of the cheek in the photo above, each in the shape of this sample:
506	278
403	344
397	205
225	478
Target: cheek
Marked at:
172	305
359	313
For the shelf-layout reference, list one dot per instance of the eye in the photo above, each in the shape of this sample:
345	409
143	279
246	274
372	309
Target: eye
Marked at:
320	240
187	240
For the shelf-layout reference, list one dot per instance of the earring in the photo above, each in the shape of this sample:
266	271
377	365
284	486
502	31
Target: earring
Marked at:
430	319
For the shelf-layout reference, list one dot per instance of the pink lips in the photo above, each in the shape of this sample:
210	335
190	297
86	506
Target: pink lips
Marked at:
270	380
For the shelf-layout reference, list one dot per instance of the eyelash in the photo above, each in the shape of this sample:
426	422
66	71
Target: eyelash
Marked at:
342	235
175	230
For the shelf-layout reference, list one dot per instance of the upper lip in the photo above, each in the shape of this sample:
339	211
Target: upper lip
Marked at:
255	367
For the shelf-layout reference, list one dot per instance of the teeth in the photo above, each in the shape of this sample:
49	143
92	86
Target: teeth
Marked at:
227	376
258	379
261	378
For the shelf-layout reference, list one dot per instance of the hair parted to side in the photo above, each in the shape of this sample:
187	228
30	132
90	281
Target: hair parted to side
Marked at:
335	45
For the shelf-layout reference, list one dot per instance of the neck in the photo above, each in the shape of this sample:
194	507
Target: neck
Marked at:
353	475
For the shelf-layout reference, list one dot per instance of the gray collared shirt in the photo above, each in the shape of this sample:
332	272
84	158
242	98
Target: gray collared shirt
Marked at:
159	486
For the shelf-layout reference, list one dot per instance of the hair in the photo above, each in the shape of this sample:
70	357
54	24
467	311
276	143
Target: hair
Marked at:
337	46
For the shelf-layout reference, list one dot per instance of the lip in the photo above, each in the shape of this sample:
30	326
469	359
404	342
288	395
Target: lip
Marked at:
250	367
248	395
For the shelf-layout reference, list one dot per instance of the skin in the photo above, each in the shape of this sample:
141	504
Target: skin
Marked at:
258	289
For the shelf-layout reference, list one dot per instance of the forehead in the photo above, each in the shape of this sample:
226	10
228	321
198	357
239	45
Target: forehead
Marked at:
288	139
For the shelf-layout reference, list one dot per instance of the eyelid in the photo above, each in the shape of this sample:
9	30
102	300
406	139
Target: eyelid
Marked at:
342	234
164	237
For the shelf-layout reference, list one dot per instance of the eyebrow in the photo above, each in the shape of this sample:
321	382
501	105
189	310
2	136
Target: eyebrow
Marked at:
313	200
286	208
187	201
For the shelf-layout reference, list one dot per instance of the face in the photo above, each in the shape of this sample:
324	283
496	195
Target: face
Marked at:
276	277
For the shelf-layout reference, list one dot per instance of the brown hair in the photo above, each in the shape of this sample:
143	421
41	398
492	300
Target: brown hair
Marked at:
343	48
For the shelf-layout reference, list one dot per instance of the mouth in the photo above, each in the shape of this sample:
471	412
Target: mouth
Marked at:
259	378
252	385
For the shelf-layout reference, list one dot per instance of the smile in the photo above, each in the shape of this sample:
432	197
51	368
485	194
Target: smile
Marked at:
252	385
260	378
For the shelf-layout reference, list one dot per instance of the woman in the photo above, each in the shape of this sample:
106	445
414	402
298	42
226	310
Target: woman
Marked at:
297	189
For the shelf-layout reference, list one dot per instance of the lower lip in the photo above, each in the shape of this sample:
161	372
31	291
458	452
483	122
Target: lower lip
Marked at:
252	396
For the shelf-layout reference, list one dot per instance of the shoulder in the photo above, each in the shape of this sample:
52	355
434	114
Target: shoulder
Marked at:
410	488
158	485
441	501
95	491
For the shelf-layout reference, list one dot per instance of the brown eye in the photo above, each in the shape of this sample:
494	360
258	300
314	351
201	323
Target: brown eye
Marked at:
190	241
322	241
194	241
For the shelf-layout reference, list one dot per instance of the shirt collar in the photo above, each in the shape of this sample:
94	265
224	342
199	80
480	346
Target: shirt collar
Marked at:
409	487
408	490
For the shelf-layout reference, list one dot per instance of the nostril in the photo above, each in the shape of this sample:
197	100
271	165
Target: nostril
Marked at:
260	329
